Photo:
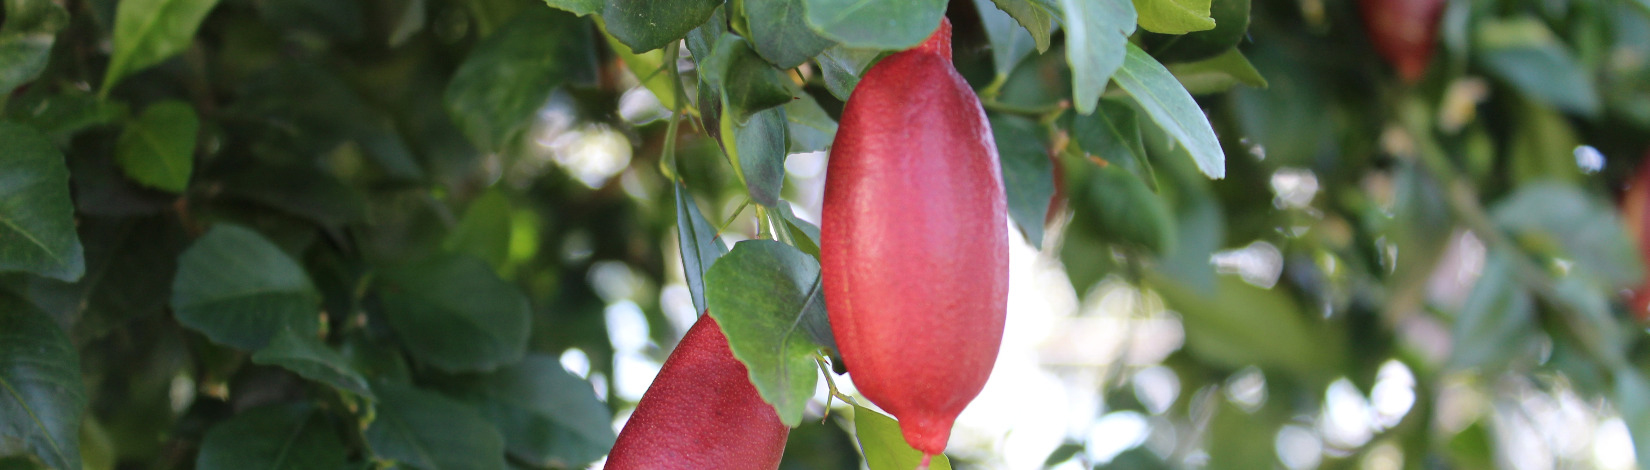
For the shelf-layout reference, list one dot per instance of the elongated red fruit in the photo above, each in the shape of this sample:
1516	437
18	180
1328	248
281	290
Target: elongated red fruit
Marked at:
1405	32
1635	215
701	412
914	242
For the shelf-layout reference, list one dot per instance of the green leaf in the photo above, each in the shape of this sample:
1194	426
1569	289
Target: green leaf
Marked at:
1010	43
875	24
842	66
804	235
510	74
36	216
1218	74
1028	175
701	246
810	129
1542	145
779	32
1231	25
757	151
1172	108
649	67
41	393
1239	325
701	41
158	149
60	116
747	83
274	437
884	445
150	31
453	312
239	289
1096	33
766	296
1112	133
645	25
1497	319
549	417
577	7
1031	15
1117	205
425	430
1526	55
484	231
299	190
1563	221
1174	16
26	40
307	356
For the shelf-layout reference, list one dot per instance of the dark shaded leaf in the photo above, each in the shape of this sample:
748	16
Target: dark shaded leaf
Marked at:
453	312
425	430
307	356
779	32
1010	43
240	290
699	242
549	417
36	219
484	231
1028	175
26	40
276	437
44	397
509	75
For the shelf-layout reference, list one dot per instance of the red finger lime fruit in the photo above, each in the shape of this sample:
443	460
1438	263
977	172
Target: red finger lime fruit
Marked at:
914	241
1635	215
701	412
1405	32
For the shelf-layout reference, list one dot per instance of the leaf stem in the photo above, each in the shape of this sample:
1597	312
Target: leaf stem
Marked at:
1034	112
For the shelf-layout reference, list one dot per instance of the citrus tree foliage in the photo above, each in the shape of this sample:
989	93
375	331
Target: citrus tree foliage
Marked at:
363	233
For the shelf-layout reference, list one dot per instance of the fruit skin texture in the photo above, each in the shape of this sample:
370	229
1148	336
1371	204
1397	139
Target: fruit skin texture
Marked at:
914	241
1405	32
701	412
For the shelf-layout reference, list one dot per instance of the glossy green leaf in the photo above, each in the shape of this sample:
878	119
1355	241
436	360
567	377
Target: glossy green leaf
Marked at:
842	66
767	298
549	417
454	313
1231	25
1564	221
43	397
1172	108
1525	54
577	7
701	246
645	25
307	356
1218	74
484	230
158	149
779	32
275	437
1096	33
149	31
425	430
875	24
37	232
1239	325
1010	43
1032	15
810	129
1497	319
757	151
26	40
1174	16
509	75
884	446
239	289
1028	174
